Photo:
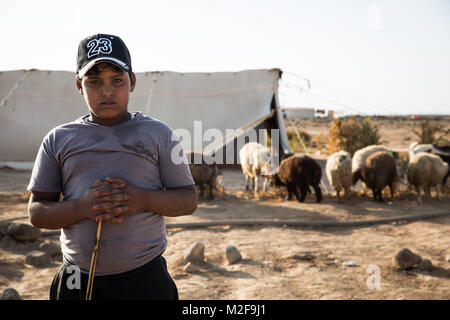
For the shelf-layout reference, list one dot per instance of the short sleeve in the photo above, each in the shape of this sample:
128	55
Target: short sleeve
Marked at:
173	164
46	174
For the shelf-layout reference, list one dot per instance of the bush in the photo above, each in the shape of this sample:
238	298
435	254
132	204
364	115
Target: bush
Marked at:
351	135
294	142
427	132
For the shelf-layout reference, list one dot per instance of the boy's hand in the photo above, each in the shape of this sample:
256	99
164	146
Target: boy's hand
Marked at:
116	200
102	196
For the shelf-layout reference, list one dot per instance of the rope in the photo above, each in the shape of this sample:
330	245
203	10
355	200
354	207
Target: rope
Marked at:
384	109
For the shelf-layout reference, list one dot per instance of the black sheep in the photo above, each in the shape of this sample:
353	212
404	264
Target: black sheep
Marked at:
204	172
297	173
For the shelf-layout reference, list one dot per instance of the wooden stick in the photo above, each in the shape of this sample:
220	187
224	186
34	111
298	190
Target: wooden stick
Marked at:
93	263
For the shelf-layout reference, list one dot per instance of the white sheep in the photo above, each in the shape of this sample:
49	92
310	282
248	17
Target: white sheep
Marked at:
426	170
255	161
339	172
360	157
415	148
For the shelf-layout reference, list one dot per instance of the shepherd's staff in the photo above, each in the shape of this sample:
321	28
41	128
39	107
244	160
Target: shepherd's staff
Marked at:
93	263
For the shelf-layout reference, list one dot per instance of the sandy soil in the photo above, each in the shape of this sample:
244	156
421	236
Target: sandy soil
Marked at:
278	262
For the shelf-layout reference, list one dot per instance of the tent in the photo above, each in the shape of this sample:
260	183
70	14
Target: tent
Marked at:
214	110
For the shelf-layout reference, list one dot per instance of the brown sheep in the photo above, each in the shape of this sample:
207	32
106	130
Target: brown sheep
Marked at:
299	172
204	172
379	171
426	170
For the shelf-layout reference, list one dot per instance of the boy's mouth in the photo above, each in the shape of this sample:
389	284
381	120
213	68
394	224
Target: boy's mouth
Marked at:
107	103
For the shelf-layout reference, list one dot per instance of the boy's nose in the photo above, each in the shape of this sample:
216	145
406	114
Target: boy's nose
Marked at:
107	91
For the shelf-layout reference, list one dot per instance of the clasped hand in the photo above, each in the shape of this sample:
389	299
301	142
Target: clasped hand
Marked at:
111	201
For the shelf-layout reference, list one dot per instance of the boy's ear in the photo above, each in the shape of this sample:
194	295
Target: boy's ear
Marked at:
79	86
132	82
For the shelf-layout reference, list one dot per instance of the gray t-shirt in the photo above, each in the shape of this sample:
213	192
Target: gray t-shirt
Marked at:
74	155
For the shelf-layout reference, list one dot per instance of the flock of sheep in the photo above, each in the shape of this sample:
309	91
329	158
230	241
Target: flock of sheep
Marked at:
374	165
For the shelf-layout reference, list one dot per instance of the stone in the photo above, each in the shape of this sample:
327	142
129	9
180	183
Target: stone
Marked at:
37	258
11	273
189	267
195	253
10	294
23	232
233	254
7	242
406	259
425	265
52	249
306	256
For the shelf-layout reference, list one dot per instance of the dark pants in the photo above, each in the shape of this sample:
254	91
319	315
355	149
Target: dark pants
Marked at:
149	282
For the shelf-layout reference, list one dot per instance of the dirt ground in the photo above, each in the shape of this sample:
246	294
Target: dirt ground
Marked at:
278	262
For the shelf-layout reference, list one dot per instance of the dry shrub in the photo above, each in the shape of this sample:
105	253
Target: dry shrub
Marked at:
429	133
351	135
294	142
318	142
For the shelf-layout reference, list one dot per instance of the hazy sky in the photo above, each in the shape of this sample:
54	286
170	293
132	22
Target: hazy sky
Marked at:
365	56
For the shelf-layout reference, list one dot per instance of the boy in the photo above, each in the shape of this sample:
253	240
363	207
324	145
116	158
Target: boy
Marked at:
117	167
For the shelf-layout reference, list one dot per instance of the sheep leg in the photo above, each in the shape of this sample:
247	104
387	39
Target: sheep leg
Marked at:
303	191
318	192
255	183
419	194
290	192
297	192
346	193
211	195
380	195
202	189
437	192
265	185
391	188
426	190
337	195
247	182
377	195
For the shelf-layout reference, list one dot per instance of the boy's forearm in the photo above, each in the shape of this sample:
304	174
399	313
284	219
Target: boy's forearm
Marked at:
170	203
54	214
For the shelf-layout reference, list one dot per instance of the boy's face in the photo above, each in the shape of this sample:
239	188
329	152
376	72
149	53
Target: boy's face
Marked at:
107	95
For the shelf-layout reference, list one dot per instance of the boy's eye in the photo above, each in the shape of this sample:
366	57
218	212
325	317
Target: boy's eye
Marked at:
94	82
117	80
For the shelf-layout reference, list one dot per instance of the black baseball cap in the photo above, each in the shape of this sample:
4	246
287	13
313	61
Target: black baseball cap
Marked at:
102	48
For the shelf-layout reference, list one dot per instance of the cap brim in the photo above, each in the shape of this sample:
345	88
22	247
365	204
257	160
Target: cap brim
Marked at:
91	63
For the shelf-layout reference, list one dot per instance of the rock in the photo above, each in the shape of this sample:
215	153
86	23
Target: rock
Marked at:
37	258
233	254
189	267
306	256
11	273
406	259
425	265
447	258
7	242
52	249
195	253
22	231
10	294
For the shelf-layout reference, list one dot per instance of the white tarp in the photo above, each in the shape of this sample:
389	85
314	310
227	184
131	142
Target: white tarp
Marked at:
36	101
